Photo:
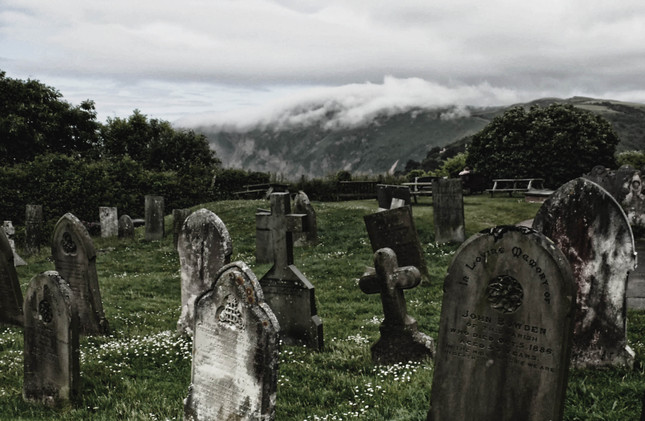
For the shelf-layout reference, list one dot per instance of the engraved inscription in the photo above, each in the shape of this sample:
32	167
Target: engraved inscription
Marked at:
505	294
230	314
68	244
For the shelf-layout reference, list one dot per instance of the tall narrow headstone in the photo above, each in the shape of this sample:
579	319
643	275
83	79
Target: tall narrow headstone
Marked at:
204	246
448	207
178	218
51	349
400	340
33	228
505	330
10	232
75	260
126	227
302	205
235	351
395	229
590	227
289	294
109	222
154	213
263	242
10	293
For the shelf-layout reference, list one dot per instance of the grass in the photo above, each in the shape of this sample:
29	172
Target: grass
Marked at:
141	371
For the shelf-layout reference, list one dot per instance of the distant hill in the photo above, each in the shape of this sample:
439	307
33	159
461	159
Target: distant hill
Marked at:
387	141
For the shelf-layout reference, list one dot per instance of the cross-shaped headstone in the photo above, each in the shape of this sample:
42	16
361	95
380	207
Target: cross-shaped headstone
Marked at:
400	340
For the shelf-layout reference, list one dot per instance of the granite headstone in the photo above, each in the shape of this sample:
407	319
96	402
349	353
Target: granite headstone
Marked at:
154	218
386	192
309	235
109	221
126	227
448	211
10	293
33	228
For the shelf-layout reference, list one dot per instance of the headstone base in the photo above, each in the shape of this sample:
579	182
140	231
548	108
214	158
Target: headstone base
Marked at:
387	350
603	357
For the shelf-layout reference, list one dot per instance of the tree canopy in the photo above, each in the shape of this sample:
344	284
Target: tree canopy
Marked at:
557	143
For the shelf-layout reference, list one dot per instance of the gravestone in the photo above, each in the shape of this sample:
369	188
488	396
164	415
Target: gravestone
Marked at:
505	330
289	294
178	218
636	280
51	349
590	227
109	222
126	227
400	340
154	212
263	242
10	232
395	229
302	205
235	351
10	293
448	210
634	203
616	182
204	246
33	228
385	193
75	260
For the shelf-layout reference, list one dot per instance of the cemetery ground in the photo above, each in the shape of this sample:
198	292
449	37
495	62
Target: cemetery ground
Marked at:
141	370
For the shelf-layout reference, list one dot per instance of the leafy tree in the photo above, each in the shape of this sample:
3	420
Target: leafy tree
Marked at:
557	143
452	166
35	120
635	159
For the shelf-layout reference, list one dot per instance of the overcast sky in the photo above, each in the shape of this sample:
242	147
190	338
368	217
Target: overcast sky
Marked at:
239	61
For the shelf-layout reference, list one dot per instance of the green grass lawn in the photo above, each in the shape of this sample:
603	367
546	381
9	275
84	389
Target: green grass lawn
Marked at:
141	371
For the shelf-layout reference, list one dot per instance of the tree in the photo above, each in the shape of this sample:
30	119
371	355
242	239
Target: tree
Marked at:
635	159
557	143
35	120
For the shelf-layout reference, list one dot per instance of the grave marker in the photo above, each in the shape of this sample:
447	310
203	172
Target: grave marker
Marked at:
385	193
400	339
10	293
289	294
590	227
448	207
75	260
10	232
126	227
505	330
263	242
109	221
154	213
178	218
302	205
235	351
51	349
395	229
33	228
204	246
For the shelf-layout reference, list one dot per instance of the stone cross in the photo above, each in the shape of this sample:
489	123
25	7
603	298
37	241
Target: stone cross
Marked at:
400	341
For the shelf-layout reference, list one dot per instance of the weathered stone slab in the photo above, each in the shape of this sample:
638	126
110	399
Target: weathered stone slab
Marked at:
75	260
634	204
636	280
235	351
616	182
126	227
154	213
309	236
448	207
178	218
263	241
10	293
505	330
10	232
590	227
289	294
395	229
385	193
33	228
109	221
51	352
400	340
204	246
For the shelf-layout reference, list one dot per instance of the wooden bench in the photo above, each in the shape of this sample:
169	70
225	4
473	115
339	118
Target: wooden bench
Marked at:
260	191
422	186
515	185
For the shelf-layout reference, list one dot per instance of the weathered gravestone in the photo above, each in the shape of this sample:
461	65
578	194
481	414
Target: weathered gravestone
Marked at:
33	228
634	203
505	330
51	350
109	221
178	218
616	182
204	246
289	294
10	293
636	280
154	212
126	227
385	193
302	205
263	242
448	210
10	232
75	260
400	339
235	351
395	229
591	229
